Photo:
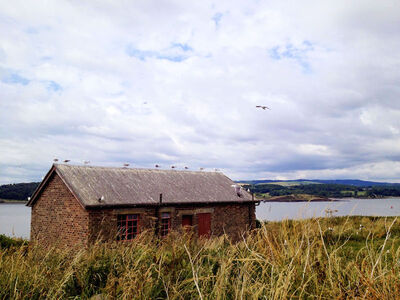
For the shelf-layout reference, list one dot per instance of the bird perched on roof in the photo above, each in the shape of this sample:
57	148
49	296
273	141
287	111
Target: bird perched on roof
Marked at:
186	168
157	166
126	165
238	189
67	160
201	169
262	106
86	162
55	160
173	167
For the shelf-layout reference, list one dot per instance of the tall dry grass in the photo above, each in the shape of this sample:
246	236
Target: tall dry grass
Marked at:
331	258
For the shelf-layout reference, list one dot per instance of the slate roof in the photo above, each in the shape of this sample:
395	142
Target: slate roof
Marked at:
130	187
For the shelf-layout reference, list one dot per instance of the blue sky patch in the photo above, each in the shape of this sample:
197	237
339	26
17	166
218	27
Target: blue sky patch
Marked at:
217	18
139	53
184	47
296	53
14	78
53	86
168	54
175	58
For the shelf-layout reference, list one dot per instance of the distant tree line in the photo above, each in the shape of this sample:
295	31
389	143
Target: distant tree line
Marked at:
326	190
382	191
17	191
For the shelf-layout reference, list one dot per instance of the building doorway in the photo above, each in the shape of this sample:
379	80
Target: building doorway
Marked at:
204	224
187	221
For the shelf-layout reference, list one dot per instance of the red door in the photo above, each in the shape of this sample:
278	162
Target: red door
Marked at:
204	224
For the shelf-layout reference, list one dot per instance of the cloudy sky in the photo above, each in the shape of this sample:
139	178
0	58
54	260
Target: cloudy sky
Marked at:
177	82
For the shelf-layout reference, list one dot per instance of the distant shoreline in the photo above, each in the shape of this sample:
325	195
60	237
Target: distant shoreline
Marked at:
9	201
297	198
291	198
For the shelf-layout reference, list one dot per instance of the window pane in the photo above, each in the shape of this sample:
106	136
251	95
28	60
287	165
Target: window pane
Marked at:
132	217
165	223
127	226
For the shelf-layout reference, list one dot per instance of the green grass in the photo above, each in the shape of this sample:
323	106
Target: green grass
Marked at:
263	195
328	258
7	242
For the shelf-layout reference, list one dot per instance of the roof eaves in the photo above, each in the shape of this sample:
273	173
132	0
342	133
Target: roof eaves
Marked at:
127	205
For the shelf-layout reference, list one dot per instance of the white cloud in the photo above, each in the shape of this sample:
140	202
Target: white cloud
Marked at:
177	83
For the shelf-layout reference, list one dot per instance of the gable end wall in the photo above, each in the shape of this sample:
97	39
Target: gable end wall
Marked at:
58	218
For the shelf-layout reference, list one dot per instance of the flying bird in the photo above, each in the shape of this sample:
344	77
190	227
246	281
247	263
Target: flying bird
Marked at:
262	106
67	160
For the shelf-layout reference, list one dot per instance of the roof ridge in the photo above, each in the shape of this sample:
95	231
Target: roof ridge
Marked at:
138	169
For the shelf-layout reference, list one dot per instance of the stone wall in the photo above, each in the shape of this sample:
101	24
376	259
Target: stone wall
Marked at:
103	222
232	219
58	218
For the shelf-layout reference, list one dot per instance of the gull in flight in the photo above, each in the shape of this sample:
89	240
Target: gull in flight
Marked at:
263	107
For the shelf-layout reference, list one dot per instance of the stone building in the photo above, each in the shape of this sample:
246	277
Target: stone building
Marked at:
75	205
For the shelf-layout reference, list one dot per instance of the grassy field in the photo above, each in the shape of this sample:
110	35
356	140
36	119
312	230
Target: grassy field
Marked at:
327	258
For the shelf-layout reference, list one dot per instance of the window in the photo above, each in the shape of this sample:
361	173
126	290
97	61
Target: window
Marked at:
165	223
128	227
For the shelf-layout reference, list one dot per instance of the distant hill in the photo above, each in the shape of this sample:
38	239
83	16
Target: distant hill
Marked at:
17	191
354	182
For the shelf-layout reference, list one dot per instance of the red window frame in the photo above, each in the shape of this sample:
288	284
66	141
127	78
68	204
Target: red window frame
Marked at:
165	223
128	226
